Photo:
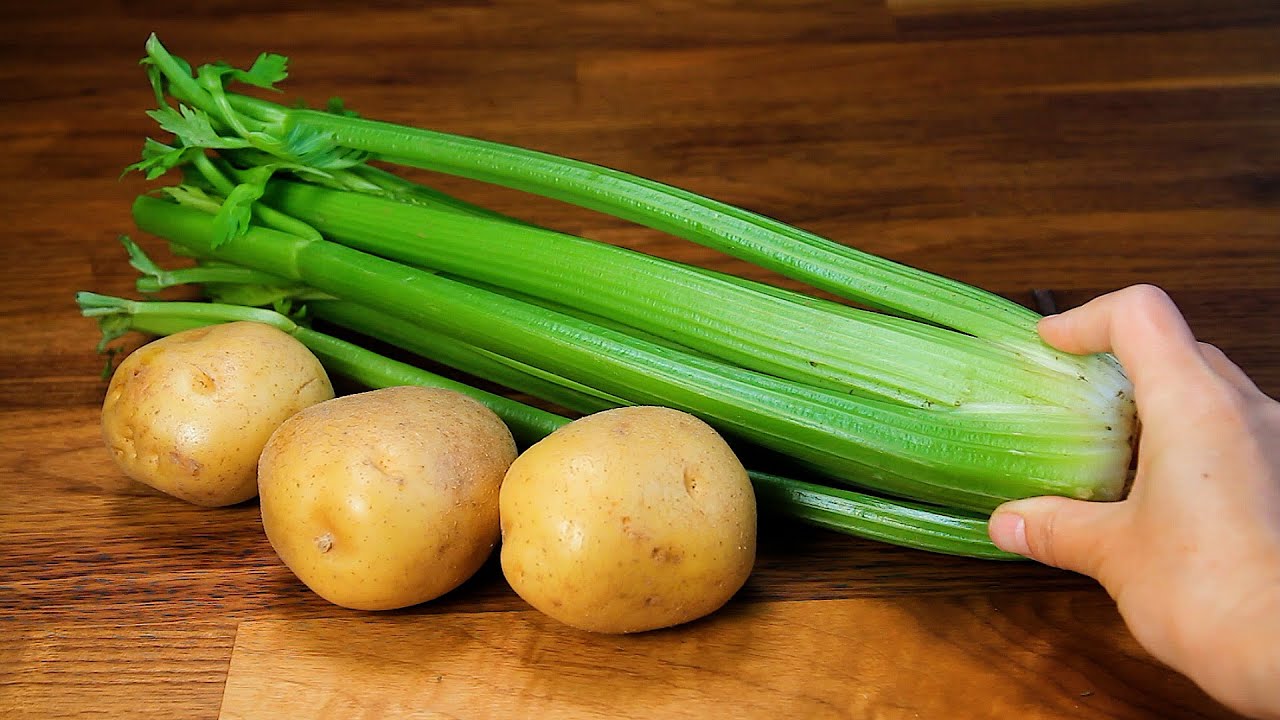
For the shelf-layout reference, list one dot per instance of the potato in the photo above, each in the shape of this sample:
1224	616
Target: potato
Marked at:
188	414
628	520
386	498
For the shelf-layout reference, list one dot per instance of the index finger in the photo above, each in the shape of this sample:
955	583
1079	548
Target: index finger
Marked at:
1142	327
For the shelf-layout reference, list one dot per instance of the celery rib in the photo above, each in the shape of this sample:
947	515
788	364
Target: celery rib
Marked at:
857	440
472	360
297	133
835	268
737	322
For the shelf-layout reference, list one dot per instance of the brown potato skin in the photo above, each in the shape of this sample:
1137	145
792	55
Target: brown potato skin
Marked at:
628	520
387	498
188	414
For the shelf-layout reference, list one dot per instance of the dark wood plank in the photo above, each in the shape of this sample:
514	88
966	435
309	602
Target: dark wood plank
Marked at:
968	18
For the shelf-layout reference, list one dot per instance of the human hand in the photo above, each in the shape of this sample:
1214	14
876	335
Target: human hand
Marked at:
1192	555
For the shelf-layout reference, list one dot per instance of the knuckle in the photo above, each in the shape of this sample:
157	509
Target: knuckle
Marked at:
1148	298
1147	292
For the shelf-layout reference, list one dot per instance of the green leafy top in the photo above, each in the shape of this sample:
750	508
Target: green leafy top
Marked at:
193	128
158	158
209	117
265	72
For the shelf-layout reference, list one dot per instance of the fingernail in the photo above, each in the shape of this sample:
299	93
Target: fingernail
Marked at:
1009	532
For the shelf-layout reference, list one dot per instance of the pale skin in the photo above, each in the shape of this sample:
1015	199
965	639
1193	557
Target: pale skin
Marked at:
1192	555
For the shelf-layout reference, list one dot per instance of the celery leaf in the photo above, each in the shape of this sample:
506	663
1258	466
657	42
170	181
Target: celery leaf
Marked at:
193	128
232	219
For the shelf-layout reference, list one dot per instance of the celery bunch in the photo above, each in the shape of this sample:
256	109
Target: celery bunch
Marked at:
939	393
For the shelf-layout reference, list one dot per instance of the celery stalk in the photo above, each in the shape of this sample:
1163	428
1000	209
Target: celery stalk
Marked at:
736	321
975	458
338	140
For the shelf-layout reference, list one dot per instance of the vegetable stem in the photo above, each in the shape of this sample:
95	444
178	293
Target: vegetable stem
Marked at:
737	321
974	459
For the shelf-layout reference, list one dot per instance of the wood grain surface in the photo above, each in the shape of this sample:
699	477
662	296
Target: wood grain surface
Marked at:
811	659
1071	146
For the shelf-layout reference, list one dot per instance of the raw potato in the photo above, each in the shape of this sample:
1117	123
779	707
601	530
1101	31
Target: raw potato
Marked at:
387	498
188	414
628	520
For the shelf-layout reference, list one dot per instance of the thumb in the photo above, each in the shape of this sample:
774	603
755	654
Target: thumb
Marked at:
1069	534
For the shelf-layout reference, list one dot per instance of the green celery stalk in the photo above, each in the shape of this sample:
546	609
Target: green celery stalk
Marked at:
225	283
735	320
972	458
325	140
472	360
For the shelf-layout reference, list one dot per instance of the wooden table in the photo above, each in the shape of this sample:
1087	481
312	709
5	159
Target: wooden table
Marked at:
1078	149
